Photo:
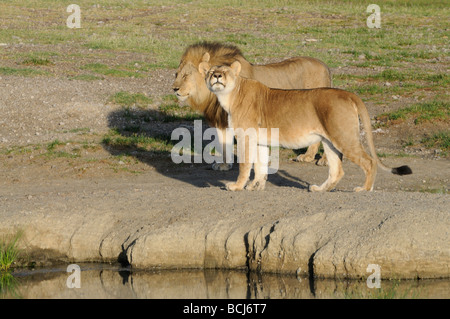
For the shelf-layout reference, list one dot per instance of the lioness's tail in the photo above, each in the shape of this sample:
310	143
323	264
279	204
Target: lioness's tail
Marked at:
365	119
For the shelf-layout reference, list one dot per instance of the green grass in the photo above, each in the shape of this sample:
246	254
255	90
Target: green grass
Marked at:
86	77
439	190
53	152
135	141
36	61
127	99
173	112
103	69
268	28
124	39
52	145
421	112
20	72
439	140
9	251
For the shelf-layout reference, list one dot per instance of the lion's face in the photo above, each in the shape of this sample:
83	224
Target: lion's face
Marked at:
221	79
188	82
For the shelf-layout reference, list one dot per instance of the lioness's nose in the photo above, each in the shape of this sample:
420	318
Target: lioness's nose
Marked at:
175	89
217	75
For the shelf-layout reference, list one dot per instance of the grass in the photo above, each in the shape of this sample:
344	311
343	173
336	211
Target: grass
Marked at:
173	112
136	141
128	39
53	152
36	61
127	99
103	69
9	251
440	140
161	29
421	112
86	77
20	71
439	190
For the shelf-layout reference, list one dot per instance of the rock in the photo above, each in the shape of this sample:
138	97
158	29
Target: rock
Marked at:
407	236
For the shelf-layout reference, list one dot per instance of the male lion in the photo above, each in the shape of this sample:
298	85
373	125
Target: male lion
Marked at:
294	73
303	117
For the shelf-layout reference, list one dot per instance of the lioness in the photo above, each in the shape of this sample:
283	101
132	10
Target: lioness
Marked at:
303	117
294	73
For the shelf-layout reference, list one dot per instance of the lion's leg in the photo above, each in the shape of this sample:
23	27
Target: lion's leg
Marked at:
261	169
246	158
323	160
310	154
226	140
335	172
244	174
368	165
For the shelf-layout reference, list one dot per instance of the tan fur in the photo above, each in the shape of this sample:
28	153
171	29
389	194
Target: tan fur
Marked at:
294	73
303	117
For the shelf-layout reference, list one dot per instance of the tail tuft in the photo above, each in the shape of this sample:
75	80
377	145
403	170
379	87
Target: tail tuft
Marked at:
402	170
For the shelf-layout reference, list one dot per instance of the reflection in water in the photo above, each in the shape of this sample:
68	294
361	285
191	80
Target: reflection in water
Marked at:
108	281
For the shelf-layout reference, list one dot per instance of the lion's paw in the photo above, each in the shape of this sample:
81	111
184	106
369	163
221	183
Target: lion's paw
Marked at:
233	187
315	188
256	185
222	166
322	161
305	158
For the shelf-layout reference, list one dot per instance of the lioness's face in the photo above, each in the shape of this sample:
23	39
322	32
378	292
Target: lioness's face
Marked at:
188	81
220	79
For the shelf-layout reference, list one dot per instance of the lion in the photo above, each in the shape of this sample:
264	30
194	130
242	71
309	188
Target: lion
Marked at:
294	73
302	117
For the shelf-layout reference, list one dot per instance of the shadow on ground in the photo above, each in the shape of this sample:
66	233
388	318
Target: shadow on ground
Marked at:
146	136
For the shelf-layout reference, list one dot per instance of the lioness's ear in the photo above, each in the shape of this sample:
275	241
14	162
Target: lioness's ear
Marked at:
205	57
236	67
203	67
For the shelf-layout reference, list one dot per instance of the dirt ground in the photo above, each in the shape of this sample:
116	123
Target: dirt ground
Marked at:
70	191
75	115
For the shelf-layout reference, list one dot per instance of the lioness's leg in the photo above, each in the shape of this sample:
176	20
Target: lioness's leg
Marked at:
335	168
226	140
261	169
246	158
369	165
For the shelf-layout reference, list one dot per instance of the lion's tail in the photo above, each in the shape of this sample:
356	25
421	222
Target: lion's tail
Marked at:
365	119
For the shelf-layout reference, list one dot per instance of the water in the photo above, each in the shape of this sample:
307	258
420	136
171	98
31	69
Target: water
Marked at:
102	281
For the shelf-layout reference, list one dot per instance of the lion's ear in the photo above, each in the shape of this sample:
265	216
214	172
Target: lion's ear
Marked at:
205	57
203	67
236	67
